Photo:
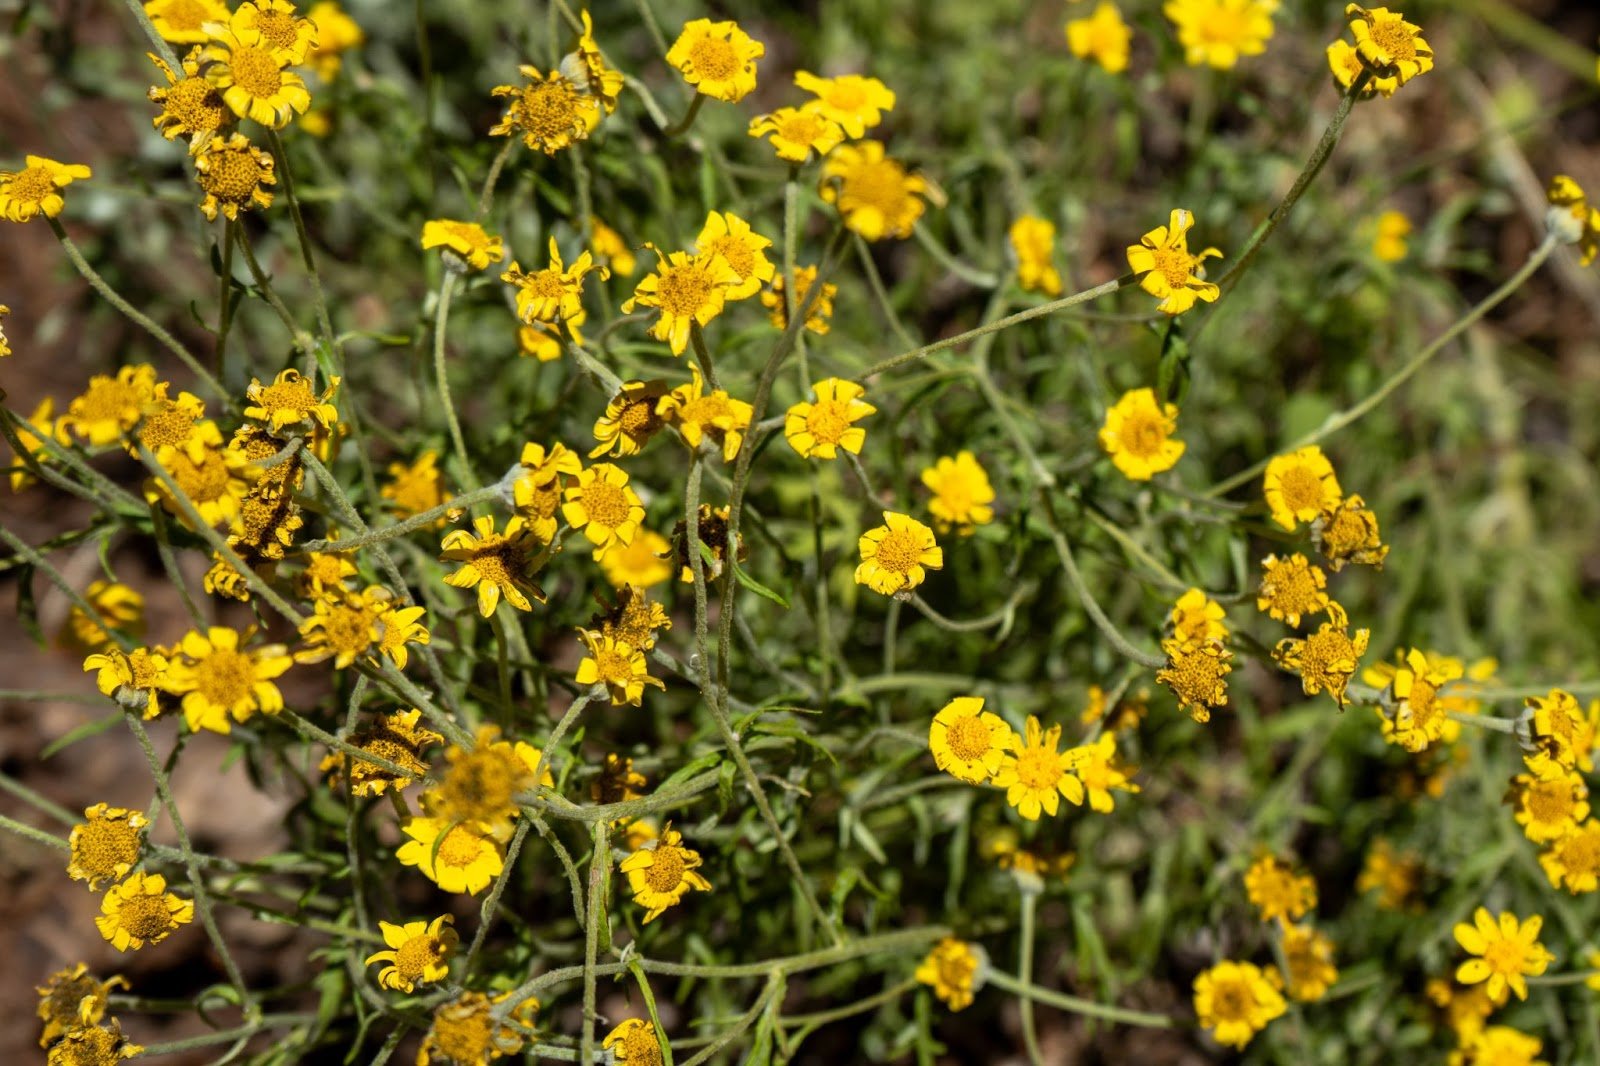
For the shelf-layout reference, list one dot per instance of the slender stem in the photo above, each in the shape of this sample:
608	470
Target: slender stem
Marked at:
421	520
447	286
703	354
683	124
491	903
486	197
225	312
599	875
222	1036
649	997
1081	587
163	49
305	243
982	279
1074	1005
302	340
28	795
1030	1038
38	836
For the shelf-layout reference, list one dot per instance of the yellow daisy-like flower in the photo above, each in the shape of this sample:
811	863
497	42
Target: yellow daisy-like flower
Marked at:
537	493
1498	1045
1197	617
728	235
1549	808
1558	737
713	523
554	295
544	342
1349	534
643	564
1035	773
1395	876
1101	36
1345	63
106	845
290	36
617	781
1170	272
93	1045
495	564
774	301
1138	435
337	33
951	970
465	1031
1300	487
1326	659
697	415
875	195
216	484
41	423
171	425
36	188
1236	1000
1420	717
1277	891
1197	673
634	1042
247	67
468	240
71	999
661	875
609	245
1465	1009
190	106
798	132
1584	228
291	400
1309	969
549	111
416	487
343	626
630	420
1291	588
856	102
717	58
465	860
603	505
184	21
618	665
1390	46
1033	241
962	495
1389	243
968	742
141	911
687	290
419	953
111	406
399	738
819	430
896	556
1100	771
1217	33
1573	861
218	680
633	619
480	785
116	607
603	82
135	678
1508	951
399	628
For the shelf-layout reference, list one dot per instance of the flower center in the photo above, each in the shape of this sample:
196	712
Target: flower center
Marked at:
185	16
463	1039
349	629
1505	956
549	108
803	128
32	185
225	677
666	872
108	400
460	848
707	409
638	418
102	845
1397	42
1425	710
1222	25
969	738
167	424
736	252
195	103
496	563
714	59
255	71
1301	488
416	955
846	96
1143	433
606	503
205	481
292	394
1039	768
613	667
828	421
1174	264
900	551
880	185
683	290
1549	802
543	500
547	284
1231	1001
279	28
145	917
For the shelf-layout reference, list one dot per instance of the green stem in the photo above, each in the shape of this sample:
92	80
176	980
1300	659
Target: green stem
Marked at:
304	238
38	836
683	124
163	49
599	876
1030	1038
1074	1005
650	1006
1070	564
447	287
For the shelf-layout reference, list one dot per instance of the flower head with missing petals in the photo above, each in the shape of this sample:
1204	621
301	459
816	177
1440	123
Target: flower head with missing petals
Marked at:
1170	272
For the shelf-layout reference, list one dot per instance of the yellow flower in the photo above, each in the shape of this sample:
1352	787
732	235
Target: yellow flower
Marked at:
495	564
1138	435
1217	33
1499	1045
634	1042
1549	808
968	742
291	400
1326	659
35	188
643	563
717	58
72	998
465	1031
1291	588
630	420
135	678
106	845
41	423
190	106
544	342
1573	861
1465	1009
93	1045
1390	46
170	425
875	195
713	523
1349	534
633	619
896	556
1558	736
343	626
951	970
537	493
1102	36
686	290
1235	1000
416	487
821	308
290	37
1097	767
609	245
661	875
1309	957
855	101
1035	773
215	483
218	680
1033	241
1277	891
116	606
697	415
1345	63
1395	876
961	491
602	82
465	860
1300	487
1170	272
1420	716
728	235
419	955
337	33
248	67
5	348
819	430
1127	714
1509	951
797	132
617	781
1197	617
1197	673
141	911
603	505
468	240
399	738
618	665
111	406
550	111
480	785
1389	245
184	21
1585	227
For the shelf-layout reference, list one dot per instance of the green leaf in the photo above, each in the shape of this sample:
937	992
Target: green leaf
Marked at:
755	586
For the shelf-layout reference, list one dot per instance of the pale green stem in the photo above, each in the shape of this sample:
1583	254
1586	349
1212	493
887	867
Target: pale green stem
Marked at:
650	1006
1030	1038
441	322
599	875
1074	1005
305	246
